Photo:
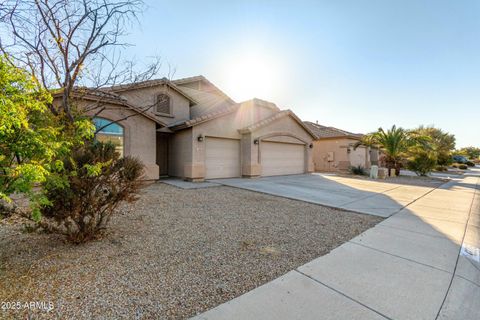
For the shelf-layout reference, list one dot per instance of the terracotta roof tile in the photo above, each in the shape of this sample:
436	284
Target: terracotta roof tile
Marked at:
330	132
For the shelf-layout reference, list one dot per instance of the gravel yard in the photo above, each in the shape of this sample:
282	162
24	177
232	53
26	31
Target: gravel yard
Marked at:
171	255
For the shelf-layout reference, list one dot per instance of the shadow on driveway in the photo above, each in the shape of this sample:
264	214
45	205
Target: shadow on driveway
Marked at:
418	264
363	196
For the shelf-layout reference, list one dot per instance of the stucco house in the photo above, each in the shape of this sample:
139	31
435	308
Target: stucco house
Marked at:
333	149
189	128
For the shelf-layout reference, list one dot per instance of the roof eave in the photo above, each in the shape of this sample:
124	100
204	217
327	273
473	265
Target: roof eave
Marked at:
340	137
202	78
204	118
152	83
123	103
277	116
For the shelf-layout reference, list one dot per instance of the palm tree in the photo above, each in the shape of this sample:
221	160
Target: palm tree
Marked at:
393	143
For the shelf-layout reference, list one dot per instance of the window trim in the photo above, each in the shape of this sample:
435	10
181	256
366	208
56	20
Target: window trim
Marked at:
122	135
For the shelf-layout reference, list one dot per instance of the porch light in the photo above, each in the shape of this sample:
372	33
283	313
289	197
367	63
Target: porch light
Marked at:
200	138
310	145
255	141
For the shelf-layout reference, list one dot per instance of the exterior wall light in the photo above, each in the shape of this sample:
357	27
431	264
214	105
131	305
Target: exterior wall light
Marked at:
255	141
310	145
348	150
200	138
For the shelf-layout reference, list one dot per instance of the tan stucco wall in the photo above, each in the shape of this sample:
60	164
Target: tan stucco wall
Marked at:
359	157
342	159
228	126
223	127
139	134
145	98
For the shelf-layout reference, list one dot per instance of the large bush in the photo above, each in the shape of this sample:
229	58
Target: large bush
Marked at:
421	161
87	191
30	139
441	142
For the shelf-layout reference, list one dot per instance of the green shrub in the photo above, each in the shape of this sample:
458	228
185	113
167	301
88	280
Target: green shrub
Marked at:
30	137
441	168
85	194
357	170
462	166
421	162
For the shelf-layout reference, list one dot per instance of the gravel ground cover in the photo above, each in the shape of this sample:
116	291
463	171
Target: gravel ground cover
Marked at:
171	255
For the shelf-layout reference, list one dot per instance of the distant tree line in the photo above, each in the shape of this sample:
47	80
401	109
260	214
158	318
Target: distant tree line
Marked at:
421	150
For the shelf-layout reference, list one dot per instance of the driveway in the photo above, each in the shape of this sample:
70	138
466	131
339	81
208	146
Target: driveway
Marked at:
423	262
363	196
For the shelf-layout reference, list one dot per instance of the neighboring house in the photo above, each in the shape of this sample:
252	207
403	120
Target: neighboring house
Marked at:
189	128
333	150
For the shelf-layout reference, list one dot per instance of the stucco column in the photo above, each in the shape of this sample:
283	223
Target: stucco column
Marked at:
194	170
310	164
250	151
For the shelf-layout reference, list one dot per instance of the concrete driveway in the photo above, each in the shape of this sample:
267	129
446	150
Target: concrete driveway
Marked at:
370	197
423	262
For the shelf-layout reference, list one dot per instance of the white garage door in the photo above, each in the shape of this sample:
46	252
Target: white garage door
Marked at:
222	158
282	158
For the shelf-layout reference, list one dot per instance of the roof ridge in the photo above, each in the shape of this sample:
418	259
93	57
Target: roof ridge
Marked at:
148	83
199	77
205	117
275	116
202	78
330	132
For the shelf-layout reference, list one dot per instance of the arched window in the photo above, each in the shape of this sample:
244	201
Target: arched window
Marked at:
111	132
162	104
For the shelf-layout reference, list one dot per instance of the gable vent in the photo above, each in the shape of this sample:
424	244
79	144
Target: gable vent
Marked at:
163	104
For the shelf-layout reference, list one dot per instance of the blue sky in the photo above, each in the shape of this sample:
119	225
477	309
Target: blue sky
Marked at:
356	64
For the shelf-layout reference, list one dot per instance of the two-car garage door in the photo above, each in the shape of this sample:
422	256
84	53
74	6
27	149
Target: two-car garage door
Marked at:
282	158
222	158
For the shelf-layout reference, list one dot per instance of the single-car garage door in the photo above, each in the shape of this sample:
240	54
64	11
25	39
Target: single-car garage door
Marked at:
222	158
282	158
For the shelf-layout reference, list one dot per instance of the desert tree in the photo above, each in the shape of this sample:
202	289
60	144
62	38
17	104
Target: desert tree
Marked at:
68	44
70	47
443	143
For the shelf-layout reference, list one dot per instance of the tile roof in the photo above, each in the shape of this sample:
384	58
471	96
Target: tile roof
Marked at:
274	117
184	81
206	101
90	93
203	118
150	83
330	132
100	95
218	110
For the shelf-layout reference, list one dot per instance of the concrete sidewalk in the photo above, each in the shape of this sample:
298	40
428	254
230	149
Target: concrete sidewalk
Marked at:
363	196
421	263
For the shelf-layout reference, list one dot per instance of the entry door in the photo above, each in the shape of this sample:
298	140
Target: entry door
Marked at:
162	153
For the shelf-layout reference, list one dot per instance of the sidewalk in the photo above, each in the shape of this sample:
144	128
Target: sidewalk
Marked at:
406	267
